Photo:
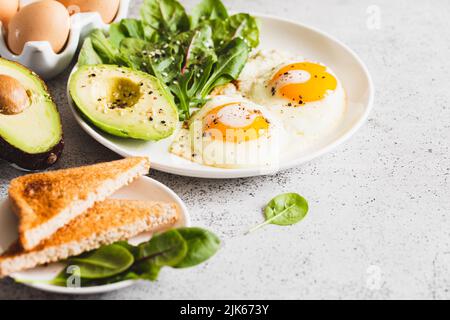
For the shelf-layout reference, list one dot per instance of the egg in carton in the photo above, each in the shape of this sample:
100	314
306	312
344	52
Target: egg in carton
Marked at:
50	59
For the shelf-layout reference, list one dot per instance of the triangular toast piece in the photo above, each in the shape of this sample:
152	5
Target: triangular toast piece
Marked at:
107	222
45	202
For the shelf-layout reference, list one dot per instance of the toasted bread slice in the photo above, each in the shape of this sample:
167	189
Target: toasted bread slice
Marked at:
45	202
107	222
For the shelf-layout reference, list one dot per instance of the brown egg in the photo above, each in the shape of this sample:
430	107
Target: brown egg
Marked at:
107	8
45	20
8	8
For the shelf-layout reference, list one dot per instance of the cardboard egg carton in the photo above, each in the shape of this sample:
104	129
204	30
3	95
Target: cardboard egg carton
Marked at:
39	55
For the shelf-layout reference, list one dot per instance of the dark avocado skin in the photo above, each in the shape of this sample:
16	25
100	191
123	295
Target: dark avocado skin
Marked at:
28	161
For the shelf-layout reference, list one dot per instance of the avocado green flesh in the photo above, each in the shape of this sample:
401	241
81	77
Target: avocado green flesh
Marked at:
124	102
37	129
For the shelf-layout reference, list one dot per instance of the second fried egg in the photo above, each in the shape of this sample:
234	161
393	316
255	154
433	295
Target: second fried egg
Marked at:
307	96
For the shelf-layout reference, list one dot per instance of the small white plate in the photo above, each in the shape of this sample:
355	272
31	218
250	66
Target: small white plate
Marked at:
282	34
143	188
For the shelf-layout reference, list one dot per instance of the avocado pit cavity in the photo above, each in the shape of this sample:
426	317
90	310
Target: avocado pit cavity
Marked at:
123	93
14	98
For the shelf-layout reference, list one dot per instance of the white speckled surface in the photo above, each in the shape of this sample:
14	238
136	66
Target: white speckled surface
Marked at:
380	205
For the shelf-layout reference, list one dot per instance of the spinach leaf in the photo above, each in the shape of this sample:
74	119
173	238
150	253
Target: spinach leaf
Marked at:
126	28
240	25
178	248
105	262
116	34
229	66
243	25
104	48
61	279
164	18
145	271
285	209
202	245
88	55
132	28
134	250
208	10
166	249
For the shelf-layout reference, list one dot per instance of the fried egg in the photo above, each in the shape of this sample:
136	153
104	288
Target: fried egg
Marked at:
307	96
231	132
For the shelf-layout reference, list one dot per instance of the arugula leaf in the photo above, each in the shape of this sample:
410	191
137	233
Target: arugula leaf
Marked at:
284	210
202	245
105	262
208	10
164	18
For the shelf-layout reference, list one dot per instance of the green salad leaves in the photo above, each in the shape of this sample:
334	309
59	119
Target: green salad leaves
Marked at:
191	54
177	248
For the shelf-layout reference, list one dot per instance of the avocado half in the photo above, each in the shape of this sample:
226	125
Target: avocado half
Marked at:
31	137
124	102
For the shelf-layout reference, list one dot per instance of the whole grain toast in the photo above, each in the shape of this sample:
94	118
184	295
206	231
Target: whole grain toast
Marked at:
107	222
45	202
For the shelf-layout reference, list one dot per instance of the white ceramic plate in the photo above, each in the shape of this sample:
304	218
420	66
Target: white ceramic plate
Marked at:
296	38
143	188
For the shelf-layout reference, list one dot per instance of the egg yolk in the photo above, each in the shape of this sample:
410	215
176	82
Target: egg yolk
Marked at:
234	122
302	82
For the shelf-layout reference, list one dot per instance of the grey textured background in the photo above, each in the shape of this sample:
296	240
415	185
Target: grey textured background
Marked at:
380	204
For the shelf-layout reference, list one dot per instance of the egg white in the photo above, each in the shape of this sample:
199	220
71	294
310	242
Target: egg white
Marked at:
265	151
